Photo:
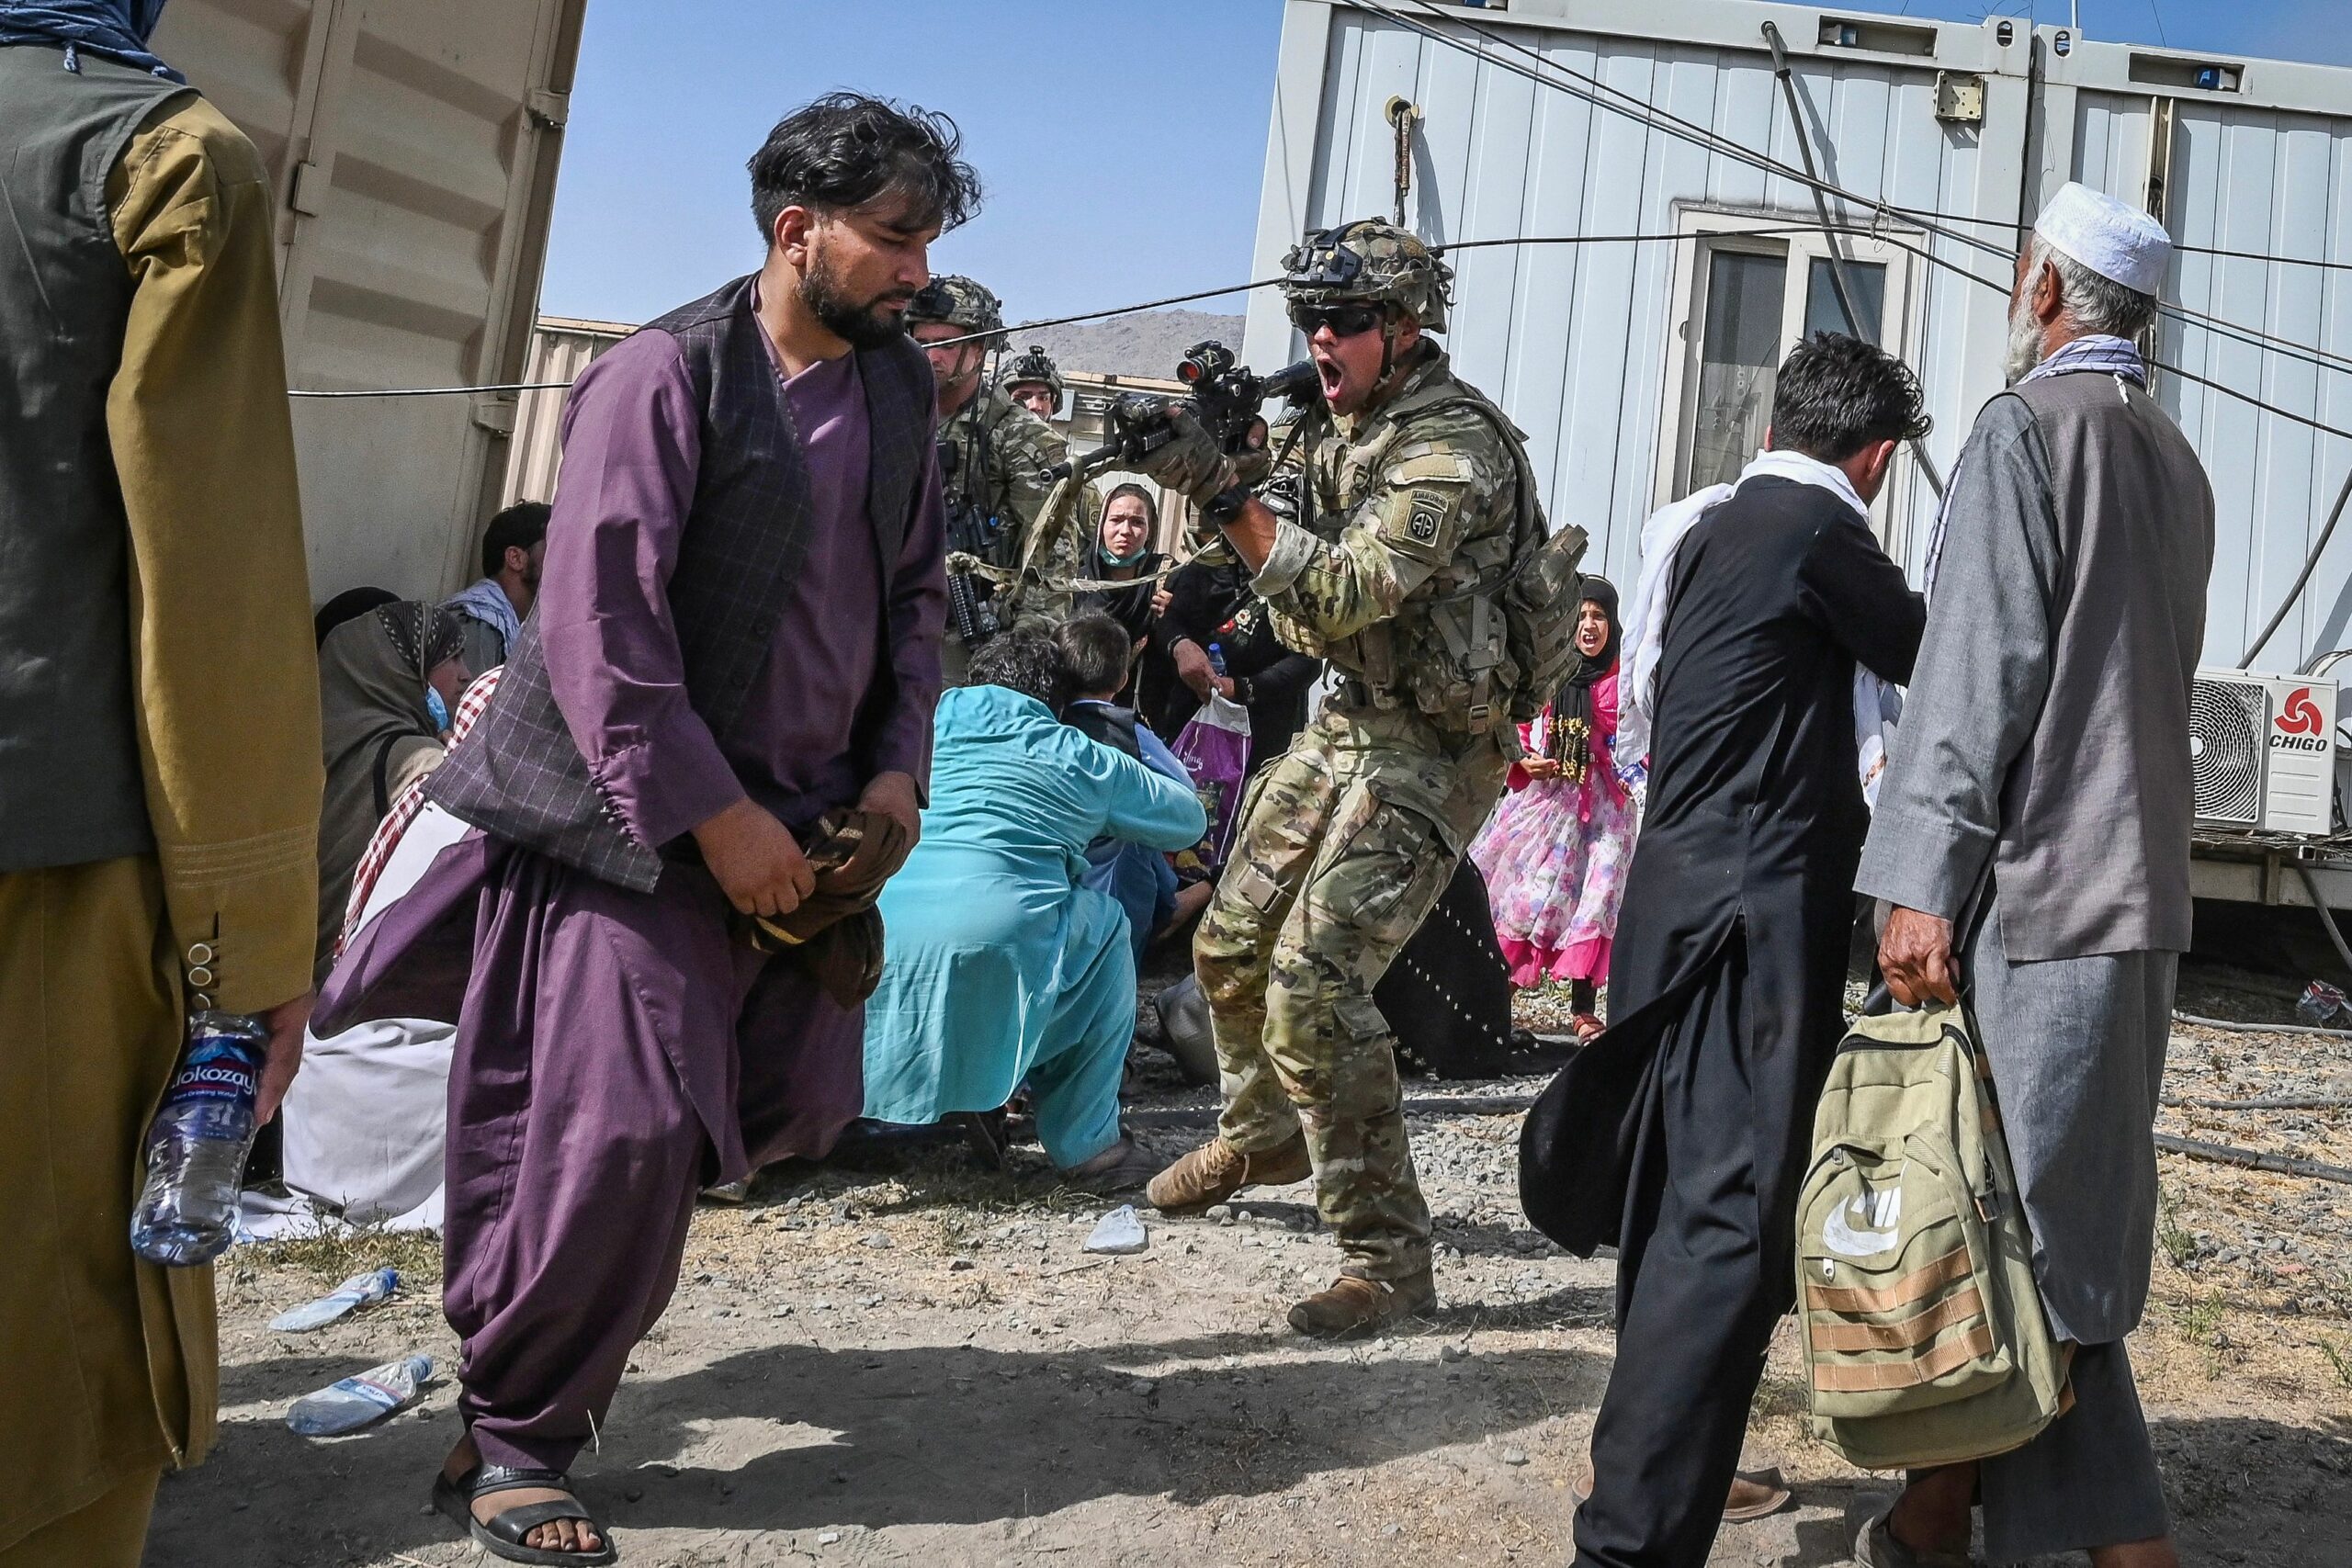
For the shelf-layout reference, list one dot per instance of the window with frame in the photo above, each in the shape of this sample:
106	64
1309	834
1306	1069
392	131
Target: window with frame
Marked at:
1751	298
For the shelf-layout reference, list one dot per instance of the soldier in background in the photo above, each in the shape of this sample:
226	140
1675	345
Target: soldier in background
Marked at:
1418	515
1034	381
993	454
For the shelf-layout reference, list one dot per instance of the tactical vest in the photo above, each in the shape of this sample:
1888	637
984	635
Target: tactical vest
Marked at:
520	776
1480	666
72	788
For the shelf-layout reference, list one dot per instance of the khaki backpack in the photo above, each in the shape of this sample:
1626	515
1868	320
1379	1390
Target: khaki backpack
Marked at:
1925	1339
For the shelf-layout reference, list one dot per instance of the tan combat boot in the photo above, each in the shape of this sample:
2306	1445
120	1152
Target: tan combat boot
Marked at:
1216	1171
1356	1306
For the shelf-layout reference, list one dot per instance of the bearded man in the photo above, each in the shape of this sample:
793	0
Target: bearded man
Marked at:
2032	840
736	631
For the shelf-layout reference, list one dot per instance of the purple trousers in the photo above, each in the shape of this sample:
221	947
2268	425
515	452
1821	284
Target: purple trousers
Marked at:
616	1052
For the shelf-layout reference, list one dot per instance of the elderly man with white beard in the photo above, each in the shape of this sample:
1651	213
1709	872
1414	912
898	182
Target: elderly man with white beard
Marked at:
2032	838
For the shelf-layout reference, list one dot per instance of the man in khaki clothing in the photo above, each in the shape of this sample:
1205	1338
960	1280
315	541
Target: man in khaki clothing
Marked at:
159	741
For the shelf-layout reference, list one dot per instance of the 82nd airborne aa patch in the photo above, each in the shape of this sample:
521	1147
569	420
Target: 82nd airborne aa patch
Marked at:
1428	512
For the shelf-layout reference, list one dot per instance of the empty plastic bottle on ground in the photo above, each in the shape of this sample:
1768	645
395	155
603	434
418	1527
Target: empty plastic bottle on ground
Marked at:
361	1400
197	1143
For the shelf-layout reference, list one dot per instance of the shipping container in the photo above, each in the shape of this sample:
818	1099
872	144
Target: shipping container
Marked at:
413	145
1641	369
562	348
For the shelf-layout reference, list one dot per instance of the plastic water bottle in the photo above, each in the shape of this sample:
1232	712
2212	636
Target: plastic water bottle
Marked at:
361	1400
197	1143
1216	656
359	1291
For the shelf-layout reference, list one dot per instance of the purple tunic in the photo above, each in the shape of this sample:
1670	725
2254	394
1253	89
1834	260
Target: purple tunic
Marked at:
632	442
616	1050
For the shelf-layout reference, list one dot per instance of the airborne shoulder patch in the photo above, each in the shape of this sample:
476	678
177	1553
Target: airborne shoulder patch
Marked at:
1428	516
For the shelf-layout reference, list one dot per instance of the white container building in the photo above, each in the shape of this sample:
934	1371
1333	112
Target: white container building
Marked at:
1642	369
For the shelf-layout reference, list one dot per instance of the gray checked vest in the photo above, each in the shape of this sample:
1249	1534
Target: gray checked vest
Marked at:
519	775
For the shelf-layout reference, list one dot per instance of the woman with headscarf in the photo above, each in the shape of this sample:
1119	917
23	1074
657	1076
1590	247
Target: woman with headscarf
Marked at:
388	682
1123	553
1553	854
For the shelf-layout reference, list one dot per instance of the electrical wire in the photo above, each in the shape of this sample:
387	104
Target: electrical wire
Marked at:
2253	1159
2326	915
1105	315
1924	253
2295	594
1590	89
1748	154
435	391
2240	1026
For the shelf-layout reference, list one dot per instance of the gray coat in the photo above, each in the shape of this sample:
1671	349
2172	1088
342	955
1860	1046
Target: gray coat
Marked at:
2048	721
2047	731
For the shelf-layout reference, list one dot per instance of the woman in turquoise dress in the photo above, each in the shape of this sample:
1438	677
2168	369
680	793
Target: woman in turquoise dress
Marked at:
999	968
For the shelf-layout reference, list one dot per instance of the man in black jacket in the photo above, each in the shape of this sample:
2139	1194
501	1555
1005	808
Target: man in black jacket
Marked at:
1729	966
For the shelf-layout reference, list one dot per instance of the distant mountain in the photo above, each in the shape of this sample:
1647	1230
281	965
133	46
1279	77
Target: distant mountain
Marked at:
1149	342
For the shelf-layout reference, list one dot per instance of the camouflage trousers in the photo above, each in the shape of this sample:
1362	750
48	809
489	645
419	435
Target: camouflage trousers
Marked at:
1344	847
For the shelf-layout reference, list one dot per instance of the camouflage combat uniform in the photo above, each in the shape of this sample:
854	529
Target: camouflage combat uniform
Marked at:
993	456
1347	842
1002	453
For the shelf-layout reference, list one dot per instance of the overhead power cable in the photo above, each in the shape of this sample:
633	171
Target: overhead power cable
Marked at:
1105	315
1746	154
941	343
433	391
1616	100
1913	247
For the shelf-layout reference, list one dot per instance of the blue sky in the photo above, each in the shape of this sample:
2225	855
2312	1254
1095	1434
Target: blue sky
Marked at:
1121	141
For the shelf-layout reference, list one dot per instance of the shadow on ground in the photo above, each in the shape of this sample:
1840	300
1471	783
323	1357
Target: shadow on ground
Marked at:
798	1436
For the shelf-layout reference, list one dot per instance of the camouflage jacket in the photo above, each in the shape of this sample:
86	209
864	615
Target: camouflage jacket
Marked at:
1407	529
999	452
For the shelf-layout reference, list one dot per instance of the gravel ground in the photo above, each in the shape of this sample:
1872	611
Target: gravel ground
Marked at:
904	1358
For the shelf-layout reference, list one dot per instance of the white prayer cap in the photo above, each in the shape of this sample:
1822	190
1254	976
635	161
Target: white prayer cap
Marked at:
2116	242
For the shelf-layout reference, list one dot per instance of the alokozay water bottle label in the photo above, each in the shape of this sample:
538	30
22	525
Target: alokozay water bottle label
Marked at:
218	1066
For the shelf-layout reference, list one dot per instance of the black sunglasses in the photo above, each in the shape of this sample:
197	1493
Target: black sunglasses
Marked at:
1345	321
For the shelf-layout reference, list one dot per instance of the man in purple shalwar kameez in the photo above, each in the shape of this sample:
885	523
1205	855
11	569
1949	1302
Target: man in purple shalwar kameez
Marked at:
737	630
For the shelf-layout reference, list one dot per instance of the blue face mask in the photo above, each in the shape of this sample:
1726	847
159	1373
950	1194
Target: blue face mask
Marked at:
437	709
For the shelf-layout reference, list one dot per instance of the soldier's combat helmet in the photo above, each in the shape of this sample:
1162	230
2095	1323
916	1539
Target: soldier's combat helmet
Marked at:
959	303
1034	365
1370	261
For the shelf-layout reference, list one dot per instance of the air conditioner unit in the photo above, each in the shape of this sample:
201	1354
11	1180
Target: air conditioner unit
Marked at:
2262	748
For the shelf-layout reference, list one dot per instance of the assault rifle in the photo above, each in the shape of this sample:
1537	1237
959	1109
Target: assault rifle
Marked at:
1225	396
971	531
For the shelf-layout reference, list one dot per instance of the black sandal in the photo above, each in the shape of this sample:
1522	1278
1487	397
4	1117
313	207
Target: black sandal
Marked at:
504	1532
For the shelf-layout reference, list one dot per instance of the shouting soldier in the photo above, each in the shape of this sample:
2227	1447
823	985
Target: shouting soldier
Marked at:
993	454
1408	570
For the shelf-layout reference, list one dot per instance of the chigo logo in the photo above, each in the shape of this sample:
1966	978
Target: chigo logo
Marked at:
2299	727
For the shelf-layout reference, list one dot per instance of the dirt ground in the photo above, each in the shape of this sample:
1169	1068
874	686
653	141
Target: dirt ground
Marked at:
904	1358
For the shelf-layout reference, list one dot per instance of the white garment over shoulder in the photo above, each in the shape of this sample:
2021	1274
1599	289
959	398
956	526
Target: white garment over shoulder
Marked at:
367	1115
1877	704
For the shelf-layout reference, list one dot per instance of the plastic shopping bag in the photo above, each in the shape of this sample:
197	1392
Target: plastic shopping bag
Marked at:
1215	749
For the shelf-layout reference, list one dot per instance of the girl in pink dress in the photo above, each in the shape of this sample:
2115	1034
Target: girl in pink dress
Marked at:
1553	854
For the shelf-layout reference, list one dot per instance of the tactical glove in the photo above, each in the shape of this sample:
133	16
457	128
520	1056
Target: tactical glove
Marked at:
1189	461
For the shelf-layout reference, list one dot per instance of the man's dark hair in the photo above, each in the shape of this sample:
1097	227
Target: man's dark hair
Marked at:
1027	662
518	527
846	149
1838	394
1097	649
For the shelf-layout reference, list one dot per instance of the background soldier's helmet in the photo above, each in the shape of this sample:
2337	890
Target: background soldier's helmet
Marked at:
959	303
1035	365
1371	260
